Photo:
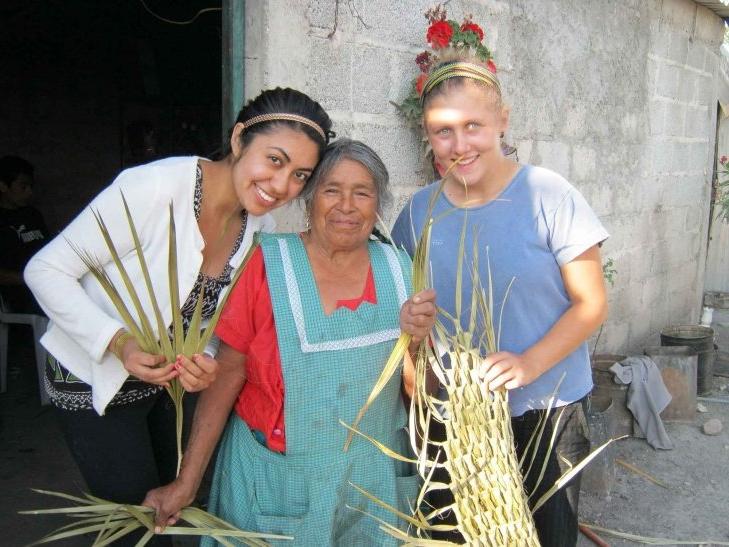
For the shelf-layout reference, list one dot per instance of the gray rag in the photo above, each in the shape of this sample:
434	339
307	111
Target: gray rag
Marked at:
647	397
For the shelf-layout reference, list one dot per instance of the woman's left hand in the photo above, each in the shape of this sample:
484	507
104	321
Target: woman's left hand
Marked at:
417	315
197	373
510	370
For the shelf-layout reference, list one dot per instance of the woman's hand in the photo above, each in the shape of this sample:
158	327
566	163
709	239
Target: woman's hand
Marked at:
417	315
167	502
197	373
146	366
510	370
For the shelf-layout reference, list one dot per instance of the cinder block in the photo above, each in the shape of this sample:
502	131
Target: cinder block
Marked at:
695	55
573	121
554	155
681	156
651	74
524	149
399	149
709	27
371	80
322	14
390	22
704	91
330	73
675	119
697	122
667	82
657	116
661	40
687	85
584	162
679	43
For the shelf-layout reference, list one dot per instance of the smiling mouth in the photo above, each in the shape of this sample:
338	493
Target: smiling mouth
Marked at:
463	162
264	196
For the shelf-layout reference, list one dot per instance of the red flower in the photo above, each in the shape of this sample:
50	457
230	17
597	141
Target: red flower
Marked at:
473	27
420	82
423	61
491	66
439	34
723	160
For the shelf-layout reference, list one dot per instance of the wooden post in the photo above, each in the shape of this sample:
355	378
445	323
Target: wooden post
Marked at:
233	76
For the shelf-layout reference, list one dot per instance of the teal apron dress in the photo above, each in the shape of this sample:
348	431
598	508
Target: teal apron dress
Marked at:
330	364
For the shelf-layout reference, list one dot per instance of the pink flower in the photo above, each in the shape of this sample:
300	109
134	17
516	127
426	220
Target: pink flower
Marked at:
723	160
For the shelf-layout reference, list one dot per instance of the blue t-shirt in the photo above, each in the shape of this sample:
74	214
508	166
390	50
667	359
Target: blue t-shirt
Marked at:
538	223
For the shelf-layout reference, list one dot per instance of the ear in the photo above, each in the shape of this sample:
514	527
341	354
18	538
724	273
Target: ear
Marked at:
236	146
504	118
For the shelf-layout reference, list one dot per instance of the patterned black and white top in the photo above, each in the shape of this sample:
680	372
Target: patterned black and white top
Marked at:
68	392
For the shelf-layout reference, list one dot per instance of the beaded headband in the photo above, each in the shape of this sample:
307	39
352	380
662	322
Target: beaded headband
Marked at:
284	116
459	69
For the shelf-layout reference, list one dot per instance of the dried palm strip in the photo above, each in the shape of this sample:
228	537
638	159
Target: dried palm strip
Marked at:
651	540
635	469
111	521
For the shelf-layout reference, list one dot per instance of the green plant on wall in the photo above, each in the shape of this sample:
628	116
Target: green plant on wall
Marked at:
721	191
608	273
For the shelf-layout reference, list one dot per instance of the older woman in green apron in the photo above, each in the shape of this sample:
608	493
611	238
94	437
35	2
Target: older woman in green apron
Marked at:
305	335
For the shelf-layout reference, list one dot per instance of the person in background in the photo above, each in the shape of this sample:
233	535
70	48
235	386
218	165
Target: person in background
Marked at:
22	232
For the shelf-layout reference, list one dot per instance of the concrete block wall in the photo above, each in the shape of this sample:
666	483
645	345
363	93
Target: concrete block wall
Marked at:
619	97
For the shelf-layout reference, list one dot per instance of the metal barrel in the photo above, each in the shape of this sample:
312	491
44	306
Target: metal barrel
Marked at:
702	340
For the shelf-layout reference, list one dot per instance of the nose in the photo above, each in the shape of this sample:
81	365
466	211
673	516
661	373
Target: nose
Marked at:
346	202
460	143
280	183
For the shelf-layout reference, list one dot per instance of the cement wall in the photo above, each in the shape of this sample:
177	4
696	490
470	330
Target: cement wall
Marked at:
620	97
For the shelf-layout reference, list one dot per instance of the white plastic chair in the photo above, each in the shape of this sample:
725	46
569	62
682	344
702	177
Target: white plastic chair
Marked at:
38	323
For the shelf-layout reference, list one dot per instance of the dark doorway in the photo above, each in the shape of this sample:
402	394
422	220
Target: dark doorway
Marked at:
90	87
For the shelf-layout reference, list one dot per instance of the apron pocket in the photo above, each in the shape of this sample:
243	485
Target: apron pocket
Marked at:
284	526
408	489
281	492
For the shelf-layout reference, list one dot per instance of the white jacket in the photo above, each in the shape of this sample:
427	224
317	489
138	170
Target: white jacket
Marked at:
83	318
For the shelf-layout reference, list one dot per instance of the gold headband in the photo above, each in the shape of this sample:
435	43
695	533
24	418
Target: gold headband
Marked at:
289	117
456	70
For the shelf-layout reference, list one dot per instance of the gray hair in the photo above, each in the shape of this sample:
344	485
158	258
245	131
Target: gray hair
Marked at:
348	149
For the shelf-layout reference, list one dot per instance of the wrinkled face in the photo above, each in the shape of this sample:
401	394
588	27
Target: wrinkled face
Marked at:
343	210
464	122
273	169
17	193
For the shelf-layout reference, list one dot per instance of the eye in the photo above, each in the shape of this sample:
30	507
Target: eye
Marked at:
302	176
443	131
471	126
275	160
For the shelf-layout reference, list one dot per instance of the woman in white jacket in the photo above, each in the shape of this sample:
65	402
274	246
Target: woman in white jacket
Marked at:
109	394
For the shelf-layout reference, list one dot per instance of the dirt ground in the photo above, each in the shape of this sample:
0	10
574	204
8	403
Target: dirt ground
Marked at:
694	505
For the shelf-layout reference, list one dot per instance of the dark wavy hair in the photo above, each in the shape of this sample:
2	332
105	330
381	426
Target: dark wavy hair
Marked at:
288	101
